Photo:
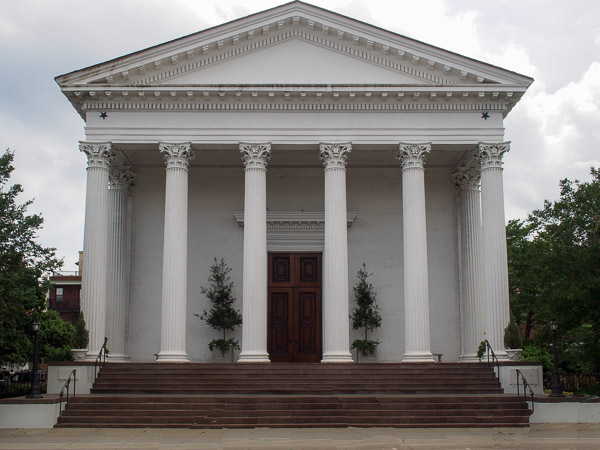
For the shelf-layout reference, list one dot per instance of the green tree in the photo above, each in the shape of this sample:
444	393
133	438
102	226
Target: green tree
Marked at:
366	314
55	338
24	266
554	271
222	314
81	337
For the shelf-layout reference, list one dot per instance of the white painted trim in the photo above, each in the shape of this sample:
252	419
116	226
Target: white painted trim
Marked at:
295	231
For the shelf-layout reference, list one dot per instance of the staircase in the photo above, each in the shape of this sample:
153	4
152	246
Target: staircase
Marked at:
295	395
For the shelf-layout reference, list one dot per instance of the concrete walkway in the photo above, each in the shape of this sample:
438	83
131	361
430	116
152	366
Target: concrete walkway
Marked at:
538	436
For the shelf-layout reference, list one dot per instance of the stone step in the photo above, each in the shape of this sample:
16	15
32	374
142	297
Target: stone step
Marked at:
295	395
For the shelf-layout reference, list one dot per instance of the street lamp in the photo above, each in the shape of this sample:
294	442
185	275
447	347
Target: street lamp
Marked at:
35	379
556	390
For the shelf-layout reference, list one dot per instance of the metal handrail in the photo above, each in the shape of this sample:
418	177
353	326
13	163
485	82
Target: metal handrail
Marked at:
526	386
101	358
73	376
495	362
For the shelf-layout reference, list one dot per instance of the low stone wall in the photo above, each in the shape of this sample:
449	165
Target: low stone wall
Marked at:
566	410
533	372
21	412
58	372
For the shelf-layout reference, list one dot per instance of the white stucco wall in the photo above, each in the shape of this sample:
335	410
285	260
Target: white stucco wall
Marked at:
375	238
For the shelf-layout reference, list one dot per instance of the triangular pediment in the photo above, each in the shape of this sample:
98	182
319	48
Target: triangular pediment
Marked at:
295	44
294	61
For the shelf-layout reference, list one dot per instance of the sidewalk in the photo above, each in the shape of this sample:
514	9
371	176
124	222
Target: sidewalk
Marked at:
538	436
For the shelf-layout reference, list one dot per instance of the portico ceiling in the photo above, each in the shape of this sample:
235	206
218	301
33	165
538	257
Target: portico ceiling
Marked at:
228	156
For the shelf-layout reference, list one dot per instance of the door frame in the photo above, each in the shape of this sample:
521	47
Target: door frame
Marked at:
294	288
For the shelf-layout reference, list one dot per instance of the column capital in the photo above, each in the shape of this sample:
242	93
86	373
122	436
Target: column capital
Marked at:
99	154
412	155
255	155
334	156
121	178
490	154
177	155
467	178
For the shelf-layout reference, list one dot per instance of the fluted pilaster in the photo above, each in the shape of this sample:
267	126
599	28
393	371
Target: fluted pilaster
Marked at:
254	292
336	332
174	282
94	276
495	265
117	311
416	288
472	317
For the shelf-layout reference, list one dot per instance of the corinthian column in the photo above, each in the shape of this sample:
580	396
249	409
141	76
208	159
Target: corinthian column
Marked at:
495	265
414	239
336	333
120	180
95	238
174	281
254	289
472	317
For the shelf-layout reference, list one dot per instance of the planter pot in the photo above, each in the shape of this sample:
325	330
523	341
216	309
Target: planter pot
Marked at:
371	357
514	354
79	354
217	356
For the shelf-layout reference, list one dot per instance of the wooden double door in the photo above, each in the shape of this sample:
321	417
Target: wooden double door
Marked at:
294	307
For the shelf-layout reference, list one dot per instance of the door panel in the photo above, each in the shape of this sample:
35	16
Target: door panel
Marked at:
294	310
280	316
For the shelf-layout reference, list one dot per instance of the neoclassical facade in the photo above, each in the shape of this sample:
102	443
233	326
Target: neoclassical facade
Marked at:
295	144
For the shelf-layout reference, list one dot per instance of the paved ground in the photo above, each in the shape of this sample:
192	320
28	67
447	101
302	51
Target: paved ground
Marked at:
538	436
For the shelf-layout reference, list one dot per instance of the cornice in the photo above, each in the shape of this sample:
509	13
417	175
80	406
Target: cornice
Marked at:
295	220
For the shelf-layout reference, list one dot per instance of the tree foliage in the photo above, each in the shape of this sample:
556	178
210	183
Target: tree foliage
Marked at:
222	314
366	314
554	272
24	266
81	336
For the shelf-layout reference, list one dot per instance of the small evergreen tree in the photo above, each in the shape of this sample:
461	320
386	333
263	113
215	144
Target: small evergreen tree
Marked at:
81	336
512	334
366	314
222	315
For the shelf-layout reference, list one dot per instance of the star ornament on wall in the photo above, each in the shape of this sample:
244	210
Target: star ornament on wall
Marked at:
485	115
103	115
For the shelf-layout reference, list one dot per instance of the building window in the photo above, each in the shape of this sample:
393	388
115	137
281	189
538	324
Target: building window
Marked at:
59	295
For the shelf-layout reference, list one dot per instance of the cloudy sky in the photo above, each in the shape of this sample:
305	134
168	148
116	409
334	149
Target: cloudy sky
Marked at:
555	129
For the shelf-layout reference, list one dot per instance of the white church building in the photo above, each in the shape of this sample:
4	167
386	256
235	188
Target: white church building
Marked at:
296	144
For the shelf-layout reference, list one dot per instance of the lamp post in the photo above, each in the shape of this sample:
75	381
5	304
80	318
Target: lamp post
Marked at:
556	390
35	380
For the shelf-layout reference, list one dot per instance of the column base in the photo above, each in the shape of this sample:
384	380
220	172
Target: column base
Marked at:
418	357
469	358
341	357
91	356
118	357
254	357
172	357
501	355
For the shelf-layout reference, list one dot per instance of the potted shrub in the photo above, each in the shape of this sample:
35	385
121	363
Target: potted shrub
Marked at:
513	340
222	316
80	339
366	314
